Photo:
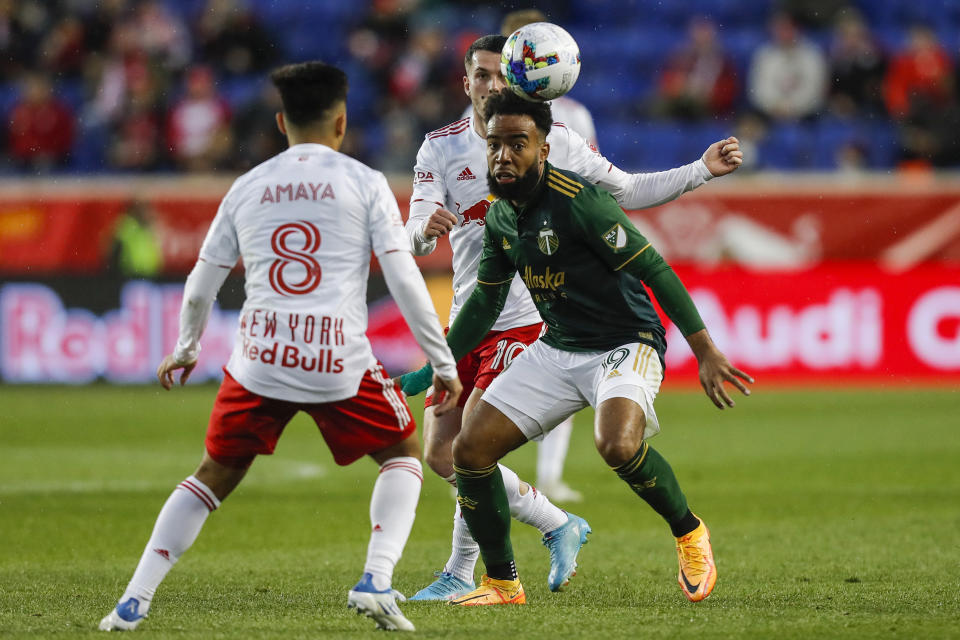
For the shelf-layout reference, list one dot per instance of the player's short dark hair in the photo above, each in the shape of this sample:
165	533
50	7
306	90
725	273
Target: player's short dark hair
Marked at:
492	42
507	103
309	90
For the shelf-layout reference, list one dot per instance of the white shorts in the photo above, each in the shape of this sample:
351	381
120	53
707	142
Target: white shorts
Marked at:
544	385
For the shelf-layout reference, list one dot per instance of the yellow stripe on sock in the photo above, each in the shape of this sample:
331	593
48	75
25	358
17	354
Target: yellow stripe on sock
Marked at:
635	462
475	473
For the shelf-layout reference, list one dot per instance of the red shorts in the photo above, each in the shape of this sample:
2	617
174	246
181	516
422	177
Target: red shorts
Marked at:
244	425
478	368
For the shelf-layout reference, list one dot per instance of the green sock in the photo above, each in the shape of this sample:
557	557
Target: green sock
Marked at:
651	478
483	503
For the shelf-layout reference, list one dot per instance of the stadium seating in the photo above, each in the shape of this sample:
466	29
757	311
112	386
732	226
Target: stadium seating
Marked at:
624	45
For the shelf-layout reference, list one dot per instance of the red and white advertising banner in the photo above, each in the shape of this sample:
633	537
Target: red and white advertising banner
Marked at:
838	322
48	229
835	323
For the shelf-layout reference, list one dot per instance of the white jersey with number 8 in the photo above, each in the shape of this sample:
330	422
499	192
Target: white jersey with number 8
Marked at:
305	223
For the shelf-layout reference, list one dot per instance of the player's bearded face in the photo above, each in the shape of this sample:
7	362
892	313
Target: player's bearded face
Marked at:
519	189
515	156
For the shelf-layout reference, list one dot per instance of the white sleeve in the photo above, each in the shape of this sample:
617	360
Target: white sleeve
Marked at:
201	289
408	289
634	190
221	245
428	194
384	221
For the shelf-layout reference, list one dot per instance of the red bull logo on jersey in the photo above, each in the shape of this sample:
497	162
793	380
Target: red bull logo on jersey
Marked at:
258	326
478	212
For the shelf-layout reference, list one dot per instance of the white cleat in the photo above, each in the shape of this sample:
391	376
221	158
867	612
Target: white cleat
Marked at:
379	605
124	617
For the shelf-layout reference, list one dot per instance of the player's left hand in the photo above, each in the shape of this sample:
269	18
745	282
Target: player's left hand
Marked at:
715	369
723	157
168	366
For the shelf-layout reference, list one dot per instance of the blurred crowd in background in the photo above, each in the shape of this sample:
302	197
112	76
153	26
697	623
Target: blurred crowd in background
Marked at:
113	86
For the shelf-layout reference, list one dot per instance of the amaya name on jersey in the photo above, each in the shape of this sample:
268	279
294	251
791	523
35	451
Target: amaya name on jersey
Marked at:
304	191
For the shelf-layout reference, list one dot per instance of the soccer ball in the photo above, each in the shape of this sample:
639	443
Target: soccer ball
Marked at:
540	61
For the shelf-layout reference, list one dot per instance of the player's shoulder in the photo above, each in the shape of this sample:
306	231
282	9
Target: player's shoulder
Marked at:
573	188
496	215
566	183
451	131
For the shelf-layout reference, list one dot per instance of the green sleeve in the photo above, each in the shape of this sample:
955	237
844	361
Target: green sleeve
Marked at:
673	297
617	242
481	310
476	317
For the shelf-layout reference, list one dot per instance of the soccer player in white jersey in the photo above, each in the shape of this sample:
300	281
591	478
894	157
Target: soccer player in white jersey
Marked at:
450	196
304	223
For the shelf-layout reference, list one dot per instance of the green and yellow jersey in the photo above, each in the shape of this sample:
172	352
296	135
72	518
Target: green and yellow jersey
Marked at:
585	265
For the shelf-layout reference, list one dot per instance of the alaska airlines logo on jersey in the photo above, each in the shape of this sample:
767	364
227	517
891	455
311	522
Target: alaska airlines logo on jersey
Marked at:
616	237
284	244
303	191
546	280
548	241
478	212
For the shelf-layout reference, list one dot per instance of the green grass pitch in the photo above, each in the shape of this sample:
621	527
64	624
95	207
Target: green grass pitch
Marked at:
833	513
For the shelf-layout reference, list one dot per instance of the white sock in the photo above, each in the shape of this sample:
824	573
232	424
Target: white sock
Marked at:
393	507
464	552
178	525
552	453
531	508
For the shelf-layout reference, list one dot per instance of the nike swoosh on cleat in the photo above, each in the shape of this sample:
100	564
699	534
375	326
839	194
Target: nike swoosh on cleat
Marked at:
690	587
482	595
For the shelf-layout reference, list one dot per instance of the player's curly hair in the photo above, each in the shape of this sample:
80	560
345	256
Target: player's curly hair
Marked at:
508	103
309	90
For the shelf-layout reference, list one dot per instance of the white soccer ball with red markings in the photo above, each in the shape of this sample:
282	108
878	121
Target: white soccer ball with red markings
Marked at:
540	61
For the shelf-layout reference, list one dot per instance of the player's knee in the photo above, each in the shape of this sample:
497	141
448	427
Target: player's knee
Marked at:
618	451
439	459
469	455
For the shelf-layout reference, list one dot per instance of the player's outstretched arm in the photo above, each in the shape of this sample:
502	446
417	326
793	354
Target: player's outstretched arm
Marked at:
409	291
473	322
723	157
200	290
715	369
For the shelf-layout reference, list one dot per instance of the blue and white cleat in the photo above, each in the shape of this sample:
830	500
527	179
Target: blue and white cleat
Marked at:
564	544
379	605
446	587
124	617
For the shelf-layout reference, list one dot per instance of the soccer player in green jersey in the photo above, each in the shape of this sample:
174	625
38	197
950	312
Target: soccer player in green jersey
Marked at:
585	265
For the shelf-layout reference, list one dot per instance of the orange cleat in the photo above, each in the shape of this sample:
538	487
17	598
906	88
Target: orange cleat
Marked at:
698	573
492	591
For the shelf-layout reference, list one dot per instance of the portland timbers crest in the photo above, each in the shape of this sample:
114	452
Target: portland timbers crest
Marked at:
547	241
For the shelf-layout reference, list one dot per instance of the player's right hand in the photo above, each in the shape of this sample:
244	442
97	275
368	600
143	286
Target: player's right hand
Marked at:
438	224
447	391
168	366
